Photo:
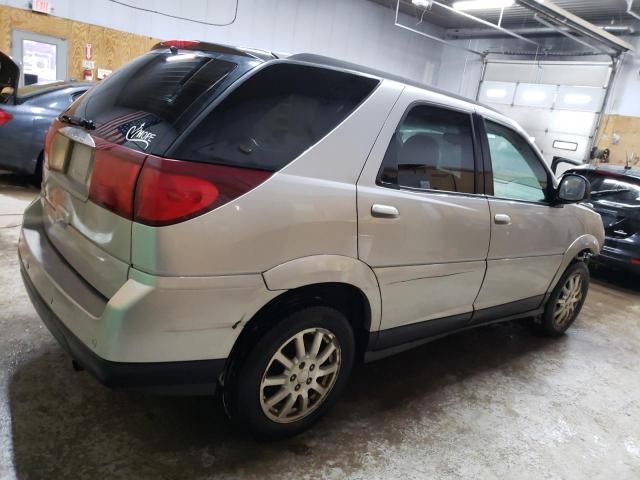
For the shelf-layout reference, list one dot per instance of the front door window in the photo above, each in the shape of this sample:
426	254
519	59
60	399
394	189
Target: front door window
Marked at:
518	173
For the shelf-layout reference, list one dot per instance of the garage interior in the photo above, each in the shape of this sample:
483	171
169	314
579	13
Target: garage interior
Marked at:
496	402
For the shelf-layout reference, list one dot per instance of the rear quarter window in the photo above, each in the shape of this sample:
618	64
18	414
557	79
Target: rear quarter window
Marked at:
274	116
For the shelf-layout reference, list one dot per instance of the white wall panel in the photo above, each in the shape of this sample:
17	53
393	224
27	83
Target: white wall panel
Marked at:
573	122
510	72
580	75
358	31
625	97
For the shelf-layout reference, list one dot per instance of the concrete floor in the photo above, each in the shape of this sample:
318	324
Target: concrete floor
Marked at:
495	403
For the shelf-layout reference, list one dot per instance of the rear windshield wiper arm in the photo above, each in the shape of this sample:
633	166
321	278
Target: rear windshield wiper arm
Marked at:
609	192
79	121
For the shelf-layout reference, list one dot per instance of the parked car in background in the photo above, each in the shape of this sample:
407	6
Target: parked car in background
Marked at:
615	195
25	116
217	217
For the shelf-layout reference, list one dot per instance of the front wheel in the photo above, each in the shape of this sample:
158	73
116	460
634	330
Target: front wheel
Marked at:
566	300
294	374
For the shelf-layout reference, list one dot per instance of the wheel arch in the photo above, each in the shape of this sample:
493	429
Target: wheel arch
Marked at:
584	245
333	269
341	282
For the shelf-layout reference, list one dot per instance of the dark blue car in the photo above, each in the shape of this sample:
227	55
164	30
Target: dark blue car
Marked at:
615	195
25	116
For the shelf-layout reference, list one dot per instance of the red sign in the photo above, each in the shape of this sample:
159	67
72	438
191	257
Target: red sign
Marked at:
88	51
41	6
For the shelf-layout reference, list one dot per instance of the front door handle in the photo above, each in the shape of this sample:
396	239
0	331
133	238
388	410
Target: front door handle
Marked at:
502	219
384	211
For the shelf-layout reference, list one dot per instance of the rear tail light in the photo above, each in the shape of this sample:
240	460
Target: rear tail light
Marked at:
5	117
157	191
171	191
113	181
635	261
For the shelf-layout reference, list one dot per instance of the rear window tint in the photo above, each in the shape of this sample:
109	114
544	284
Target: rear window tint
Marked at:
149	101
614	188
274	116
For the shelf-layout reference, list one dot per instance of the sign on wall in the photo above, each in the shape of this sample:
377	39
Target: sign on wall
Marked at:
41	6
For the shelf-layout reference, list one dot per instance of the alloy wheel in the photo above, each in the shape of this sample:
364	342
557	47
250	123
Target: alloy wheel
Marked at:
300	375
568	301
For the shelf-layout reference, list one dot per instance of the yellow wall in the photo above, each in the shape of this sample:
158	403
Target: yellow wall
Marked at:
111	48
628	129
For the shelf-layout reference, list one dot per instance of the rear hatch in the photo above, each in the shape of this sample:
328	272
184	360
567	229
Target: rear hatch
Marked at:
616	198
95	151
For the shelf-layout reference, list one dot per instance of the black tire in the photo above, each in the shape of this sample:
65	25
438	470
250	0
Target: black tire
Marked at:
551	326
243	397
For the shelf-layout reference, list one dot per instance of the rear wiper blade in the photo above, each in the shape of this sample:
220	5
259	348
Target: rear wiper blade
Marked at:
79	121
609	192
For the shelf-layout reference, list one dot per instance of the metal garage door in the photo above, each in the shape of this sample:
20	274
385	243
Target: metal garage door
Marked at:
557	103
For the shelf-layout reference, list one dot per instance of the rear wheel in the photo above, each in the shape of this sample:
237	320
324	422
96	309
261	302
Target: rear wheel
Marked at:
566	300
294	373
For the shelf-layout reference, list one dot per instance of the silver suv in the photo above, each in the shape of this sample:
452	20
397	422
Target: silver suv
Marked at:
219	217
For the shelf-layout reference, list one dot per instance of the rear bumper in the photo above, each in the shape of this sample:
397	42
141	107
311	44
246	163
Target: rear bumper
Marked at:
617	258
162	333
199	376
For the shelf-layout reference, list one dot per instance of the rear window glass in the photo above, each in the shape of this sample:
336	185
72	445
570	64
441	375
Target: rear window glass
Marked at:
274	116
616	189
145	104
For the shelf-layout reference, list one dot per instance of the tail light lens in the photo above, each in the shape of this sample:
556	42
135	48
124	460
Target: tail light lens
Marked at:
113	181
5	117
171	191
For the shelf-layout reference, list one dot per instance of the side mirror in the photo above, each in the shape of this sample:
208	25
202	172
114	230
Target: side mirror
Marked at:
573	188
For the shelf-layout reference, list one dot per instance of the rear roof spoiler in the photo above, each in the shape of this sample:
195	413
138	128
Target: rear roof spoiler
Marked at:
214	47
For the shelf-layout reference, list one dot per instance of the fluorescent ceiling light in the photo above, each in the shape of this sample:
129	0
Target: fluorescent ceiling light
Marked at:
421	3
482	4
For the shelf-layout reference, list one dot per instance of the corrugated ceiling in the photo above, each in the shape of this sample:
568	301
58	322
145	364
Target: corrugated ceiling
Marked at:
599	12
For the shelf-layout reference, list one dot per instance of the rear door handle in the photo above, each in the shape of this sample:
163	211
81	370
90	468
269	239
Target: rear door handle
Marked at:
384	211
502	219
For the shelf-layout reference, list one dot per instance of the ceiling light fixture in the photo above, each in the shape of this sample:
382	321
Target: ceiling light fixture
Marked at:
482	4
421	3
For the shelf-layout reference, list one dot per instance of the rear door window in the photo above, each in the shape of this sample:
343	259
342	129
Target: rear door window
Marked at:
147	103
432	149
274	116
